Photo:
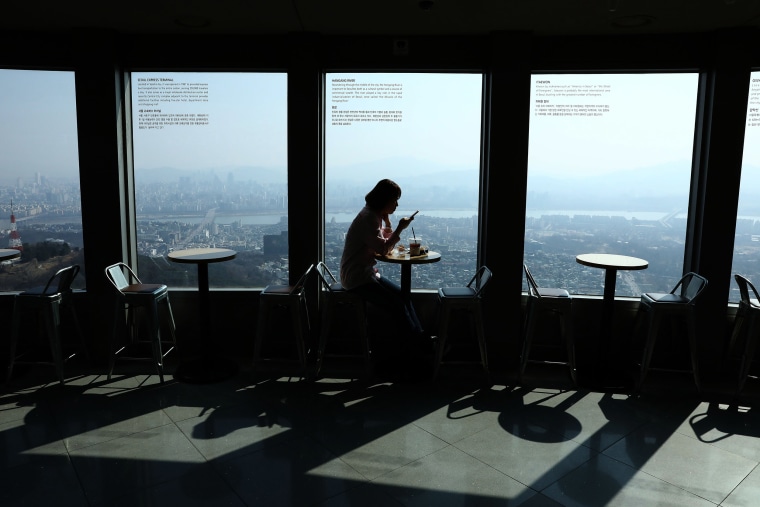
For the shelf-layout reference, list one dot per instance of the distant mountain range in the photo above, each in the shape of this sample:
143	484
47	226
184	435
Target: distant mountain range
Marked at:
657	188
264	175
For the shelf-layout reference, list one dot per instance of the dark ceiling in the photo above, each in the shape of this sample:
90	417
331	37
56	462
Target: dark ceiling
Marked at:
393	17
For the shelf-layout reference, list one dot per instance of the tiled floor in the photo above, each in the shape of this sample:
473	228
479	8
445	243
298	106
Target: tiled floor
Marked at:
335	442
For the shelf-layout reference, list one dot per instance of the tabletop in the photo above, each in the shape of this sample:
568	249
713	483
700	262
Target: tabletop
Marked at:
403	257
9	253
611	261
202	255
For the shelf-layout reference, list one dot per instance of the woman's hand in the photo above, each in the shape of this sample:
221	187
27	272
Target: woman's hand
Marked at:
404	223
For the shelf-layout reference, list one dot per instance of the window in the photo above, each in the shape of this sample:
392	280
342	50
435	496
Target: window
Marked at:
609	167
747	242
40	205
210	165
422	131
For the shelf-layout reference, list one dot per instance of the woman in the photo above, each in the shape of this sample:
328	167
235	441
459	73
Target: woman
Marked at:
371	233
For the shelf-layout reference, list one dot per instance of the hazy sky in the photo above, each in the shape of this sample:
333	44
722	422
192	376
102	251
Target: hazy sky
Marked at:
247	121
650	121
38	127
440	119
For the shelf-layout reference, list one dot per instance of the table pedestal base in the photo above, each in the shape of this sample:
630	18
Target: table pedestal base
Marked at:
603	376
204	370
208	367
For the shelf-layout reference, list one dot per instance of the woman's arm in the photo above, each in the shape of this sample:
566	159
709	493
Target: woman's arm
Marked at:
390	236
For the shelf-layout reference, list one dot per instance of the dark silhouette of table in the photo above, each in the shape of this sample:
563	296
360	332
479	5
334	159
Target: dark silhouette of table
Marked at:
209	367
7	254
611	264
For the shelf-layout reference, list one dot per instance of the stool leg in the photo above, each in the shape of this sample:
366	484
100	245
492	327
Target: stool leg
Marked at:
14	340
443	333
118	308
300	316
481	335
261	327
78	329
569	337
693	348
654	323
333	304
530	326
306	326
749	353
361	315
296	310
52	322
324	332
155	338
736	332
172	324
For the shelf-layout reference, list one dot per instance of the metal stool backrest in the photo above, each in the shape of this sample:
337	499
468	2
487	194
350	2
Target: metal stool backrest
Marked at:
543	292
298	289
115	274
532	285
690	286
744	287
481	279
58	284
300	285
326	277
472	291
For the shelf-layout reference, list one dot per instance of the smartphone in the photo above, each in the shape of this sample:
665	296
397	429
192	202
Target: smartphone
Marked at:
414	213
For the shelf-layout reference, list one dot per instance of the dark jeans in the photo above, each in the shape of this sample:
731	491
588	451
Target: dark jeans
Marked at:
386	295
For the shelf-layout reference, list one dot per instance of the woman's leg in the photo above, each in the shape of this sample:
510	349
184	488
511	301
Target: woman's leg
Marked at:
387	295
409	313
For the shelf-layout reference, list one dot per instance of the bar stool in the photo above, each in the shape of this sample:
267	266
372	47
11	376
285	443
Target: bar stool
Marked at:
47	301
338	300
552	301
745	329
467	300
290	302
133	295
676	305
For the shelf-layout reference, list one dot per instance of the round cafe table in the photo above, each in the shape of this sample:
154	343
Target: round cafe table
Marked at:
402	257
611	264
7	254
209	366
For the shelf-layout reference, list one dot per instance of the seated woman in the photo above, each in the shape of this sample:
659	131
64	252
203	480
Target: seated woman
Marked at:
372	233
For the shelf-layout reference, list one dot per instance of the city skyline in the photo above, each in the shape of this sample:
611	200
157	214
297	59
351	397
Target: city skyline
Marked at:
558	239
565	191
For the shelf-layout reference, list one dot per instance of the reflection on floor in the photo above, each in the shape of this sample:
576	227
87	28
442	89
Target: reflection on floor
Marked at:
336	442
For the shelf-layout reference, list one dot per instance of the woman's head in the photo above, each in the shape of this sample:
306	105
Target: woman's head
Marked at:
384	193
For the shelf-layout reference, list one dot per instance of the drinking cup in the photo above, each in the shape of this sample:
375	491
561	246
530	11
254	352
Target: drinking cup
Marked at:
414	246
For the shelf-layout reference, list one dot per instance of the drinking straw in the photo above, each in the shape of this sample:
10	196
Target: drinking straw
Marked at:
415	237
